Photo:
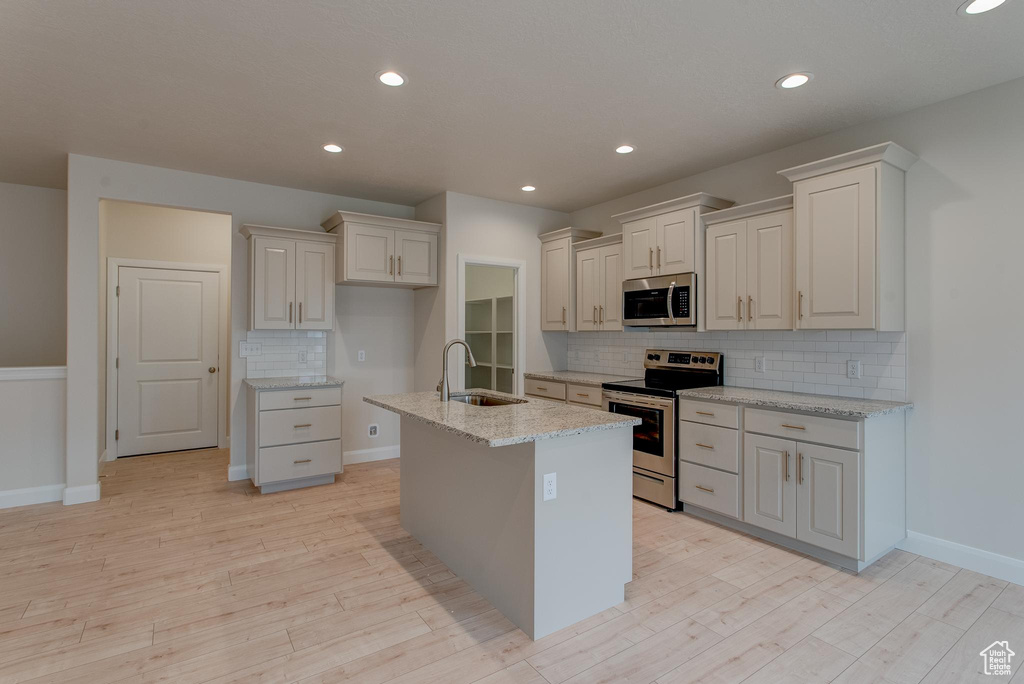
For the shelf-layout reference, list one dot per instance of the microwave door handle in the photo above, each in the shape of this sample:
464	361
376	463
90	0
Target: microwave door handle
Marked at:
671	289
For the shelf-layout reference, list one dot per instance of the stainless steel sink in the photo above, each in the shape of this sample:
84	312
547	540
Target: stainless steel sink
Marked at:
484	400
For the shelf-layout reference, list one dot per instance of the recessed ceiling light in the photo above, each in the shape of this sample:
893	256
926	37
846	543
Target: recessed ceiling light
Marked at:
978	6
331	147
624	149
390	78
794	80
528	188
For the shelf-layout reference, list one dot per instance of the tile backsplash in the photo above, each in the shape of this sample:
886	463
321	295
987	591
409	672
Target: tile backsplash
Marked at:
280	357
795	361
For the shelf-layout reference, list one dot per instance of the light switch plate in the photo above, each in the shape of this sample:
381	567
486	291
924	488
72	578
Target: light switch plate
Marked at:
249	349
361	355
302	356
853	370
550	486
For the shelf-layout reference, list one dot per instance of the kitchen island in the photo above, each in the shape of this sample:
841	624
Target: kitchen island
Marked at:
473	493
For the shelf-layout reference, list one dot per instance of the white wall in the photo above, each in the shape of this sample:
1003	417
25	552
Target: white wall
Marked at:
32	443
91	179
964	238
33	267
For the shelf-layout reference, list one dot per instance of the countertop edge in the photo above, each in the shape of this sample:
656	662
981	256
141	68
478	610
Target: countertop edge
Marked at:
263	384
552	376
797	406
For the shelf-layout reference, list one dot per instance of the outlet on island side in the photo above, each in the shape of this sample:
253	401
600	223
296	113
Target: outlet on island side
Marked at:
550	486
373	430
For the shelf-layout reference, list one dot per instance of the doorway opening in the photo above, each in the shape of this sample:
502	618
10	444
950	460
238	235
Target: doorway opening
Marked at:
167	328
490	320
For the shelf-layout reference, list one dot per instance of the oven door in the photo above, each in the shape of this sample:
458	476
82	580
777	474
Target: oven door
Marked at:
655	438
664	300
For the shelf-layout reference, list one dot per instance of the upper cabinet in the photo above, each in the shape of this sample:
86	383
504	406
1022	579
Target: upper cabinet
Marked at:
849	239
557	277
663	239
749	279
291	279
599	283
380	250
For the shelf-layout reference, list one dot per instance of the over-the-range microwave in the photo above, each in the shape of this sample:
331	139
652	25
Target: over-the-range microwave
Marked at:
660	300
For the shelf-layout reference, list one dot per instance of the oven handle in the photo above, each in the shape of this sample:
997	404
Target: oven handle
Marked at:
623	398
671	289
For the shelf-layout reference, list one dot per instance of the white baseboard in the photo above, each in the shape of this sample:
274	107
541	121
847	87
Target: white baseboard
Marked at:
237	472
31	495
81	494
367	455
978	560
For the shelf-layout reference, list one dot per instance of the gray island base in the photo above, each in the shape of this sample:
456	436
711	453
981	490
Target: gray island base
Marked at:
481	510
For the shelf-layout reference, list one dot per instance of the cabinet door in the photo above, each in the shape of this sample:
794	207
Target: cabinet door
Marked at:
835	249
554	284
415	257
610	304
674	248
588	289
769	483
369	253
314	286
828	498
770	272
726	276
639	238
273	284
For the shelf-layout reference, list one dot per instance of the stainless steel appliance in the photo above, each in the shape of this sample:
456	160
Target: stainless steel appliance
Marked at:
662	300
653	401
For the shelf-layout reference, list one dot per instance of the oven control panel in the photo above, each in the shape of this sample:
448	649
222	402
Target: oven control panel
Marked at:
666	358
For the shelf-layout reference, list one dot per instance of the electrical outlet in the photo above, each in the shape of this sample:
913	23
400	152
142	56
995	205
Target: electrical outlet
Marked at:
373	430
361	355
853	370
550	486
302	356
249	349
759	364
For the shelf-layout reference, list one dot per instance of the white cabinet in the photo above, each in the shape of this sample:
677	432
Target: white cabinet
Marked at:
849	236
599	284
639	239
380	250
291	279
749	264
769	495
558	278
828	498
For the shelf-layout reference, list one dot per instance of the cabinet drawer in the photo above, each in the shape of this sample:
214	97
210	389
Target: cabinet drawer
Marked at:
710	489
841	433
546	389
299	460
581	394
709	445
652	487
709	413
299	425
298	398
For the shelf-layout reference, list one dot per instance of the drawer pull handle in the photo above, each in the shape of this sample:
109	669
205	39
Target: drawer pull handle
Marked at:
709	490
304	425
704	446
541	389
302	398
793	427
304	460
705	413
581	394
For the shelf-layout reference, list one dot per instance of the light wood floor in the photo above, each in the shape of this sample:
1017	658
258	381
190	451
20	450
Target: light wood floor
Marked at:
179	576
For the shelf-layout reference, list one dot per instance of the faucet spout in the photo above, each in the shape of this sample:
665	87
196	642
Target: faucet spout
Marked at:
443	386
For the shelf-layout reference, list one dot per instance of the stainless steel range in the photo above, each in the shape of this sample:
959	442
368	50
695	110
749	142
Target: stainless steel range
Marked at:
653	401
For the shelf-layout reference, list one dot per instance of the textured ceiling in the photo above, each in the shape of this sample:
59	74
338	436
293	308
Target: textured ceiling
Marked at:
500	94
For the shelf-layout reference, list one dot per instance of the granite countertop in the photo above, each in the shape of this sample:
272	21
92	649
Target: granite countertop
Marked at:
294	381
578	377
498	426
796	401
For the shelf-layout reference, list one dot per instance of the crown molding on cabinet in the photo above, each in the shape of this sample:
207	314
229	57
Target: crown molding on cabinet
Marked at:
576	234
742	211
700	199
603	241
888	152
250	229
339	217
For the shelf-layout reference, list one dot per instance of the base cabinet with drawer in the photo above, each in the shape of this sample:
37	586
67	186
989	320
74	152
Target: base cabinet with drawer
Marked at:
826	486
293	437
563	392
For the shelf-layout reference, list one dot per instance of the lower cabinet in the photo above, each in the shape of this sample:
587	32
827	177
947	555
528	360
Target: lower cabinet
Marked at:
769	495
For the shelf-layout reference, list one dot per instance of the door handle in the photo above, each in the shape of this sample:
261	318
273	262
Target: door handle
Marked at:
800	306
600	313
212	369
659	258
399	265
595	314
750	308
650	259
785	455
563	315
391	265
289	312
739	310
300	313
799	468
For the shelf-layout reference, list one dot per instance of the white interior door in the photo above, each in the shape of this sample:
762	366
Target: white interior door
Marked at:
167	339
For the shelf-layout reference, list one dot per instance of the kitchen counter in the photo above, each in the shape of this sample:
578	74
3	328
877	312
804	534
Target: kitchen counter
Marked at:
796	401
579	377
498	426
294	381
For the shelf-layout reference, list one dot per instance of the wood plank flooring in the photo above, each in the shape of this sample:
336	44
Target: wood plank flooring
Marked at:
177	575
